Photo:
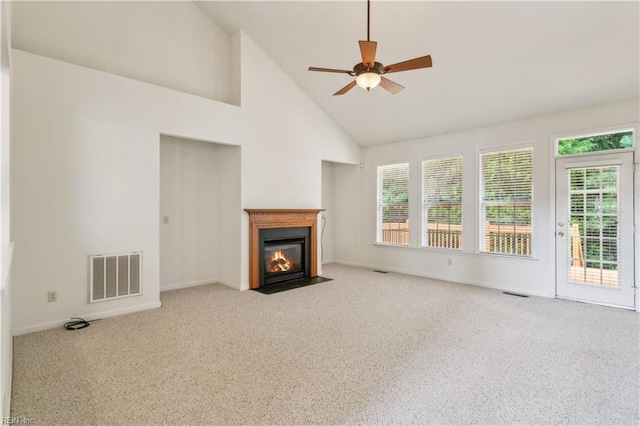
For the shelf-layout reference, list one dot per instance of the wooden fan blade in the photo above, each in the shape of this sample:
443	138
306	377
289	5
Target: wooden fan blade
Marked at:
329	70
368	52
346	88
411	64
390	86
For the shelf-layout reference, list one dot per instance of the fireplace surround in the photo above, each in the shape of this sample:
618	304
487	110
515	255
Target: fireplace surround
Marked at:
282	245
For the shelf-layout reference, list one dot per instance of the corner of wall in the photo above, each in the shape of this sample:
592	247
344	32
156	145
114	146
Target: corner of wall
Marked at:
235	46
6	247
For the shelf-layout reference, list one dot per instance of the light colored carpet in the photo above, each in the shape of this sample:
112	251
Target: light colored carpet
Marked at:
366	348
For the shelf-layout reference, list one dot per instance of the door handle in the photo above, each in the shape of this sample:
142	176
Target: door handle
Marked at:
560	234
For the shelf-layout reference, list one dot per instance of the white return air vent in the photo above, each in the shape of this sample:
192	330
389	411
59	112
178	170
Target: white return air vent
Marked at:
114	276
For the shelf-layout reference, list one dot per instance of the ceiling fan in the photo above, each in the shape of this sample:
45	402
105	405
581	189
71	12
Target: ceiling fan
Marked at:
370	73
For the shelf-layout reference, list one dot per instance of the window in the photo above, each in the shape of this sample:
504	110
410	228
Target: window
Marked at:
594	143
442	202
393	204
506	196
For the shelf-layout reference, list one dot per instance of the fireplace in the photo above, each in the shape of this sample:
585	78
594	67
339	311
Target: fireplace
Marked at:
282	246
284	254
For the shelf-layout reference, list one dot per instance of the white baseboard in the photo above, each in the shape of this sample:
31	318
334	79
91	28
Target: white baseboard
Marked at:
442	278
187	284
346	263
201	282
232	285
88	317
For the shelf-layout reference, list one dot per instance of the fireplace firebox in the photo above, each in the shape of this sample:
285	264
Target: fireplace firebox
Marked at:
275	234
284	254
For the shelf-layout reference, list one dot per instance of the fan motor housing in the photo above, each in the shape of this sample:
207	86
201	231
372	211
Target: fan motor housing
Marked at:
362	68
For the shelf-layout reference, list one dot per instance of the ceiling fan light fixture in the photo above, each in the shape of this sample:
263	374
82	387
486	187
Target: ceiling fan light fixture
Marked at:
369	73
368	80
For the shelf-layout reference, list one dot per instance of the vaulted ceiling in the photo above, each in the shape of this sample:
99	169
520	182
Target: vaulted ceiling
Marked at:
492	61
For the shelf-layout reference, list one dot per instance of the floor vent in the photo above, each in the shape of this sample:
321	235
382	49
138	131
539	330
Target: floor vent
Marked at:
515	294
114	276
380	272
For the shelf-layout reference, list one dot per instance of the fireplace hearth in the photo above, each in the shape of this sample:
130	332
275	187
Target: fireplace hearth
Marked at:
282	246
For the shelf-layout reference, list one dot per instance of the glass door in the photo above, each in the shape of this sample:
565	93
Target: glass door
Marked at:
594	229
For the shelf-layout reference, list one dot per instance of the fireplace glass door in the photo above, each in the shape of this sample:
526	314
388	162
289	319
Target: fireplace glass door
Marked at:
283	254
283	260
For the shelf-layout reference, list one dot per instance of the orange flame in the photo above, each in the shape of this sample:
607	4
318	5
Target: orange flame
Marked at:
279	262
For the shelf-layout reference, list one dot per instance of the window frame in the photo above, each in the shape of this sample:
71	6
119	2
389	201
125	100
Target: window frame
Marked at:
481	243
423	201
599	132
380	205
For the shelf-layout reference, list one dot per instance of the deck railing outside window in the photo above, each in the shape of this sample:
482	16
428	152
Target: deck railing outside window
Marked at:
393	204
517	241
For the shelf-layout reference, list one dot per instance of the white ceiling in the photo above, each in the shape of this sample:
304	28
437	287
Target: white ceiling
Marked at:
492	61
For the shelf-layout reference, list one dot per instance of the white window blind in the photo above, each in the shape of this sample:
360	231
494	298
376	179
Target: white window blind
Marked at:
393	204
442	202
506	197
594	215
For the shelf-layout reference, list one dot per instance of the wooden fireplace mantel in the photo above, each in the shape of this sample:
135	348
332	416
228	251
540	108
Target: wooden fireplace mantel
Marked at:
280	218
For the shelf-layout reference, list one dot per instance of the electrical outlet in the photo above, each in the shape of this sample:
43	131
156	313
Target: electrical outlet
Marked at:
52	296
449	262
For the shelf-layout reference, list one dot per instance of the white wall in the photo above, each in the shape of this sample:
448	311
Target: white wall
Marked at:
235	85
6	247
326	226
532	276
189	200
347	213
231	249
341	201
200	194
289	129
171	44
86	177
288	126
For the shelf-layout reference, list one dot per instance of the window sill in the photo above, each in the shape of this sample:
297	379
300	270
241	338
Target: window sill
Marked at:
508	256
503	256
392	245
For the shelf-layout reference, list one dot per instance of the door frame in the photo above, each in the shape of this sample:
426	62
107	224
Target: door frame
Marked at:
553	139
